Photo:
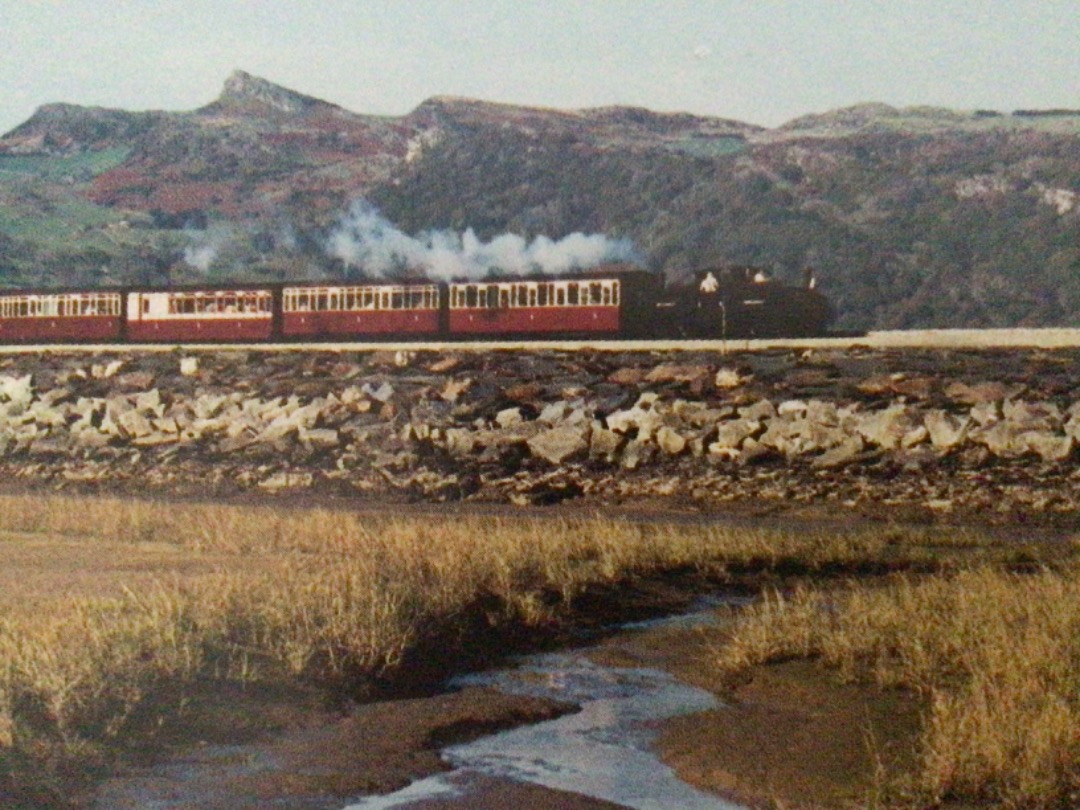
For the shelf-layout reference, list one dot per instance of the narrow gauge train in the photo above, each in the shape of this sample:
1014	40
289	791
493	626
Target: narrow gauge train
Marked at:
612	302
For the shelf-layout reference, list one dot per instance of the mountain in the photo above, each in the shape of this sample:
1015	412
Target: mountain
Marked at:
914	217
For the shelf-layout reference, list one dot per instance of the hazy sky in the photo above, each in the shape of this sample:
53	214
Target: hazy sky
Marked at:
762	61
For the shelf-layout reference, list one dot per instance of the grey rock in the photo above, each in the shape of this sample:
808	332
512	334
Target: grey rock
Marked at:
604	444
847	451
560	443
1049	446
986	413
888	427
728	378
319	438
761	410
17	390
945	430
792	408
381	393
134	425
730	435
1034	415
636	453
670	441
460	442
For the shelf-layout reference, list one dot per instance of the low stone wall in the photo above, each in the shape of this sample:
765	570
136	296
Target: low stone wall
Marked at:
942	431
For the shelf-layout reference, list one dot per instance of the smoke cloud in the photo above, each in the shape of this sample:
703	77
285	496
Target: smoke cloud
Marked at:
366	240
204	245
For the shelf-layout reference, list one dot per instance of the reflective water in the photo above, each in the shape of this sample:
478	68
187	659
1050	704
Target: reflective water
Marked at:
603	751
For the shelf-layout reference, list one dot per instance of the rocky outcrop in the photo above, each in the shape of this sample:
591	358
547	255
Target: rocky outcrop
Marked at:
543	426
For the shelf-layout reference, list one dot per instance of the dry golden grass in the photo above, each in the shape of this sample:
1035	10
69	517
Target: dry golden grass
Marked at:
145	595
996	655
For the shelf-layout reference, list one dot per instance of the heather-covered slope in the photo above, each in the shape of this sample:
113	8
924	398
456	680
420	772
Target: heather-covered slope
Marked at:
916	217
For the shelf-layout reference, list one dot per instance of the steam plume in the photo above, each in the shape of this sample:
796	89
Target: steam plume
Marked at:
367	240
204	245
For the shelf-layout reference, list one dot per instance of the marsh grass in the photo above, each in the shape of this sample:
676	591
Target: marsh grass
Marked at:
340	598
995	655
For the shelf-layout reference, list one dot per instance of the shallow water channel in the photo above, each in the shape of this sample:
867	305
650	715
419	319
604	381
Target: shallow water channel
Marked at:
597	757
603	751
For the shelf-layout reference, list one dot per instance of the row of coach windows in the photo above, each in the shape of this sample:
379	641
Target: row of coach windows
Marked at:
353	299
68	305
535	294
255	301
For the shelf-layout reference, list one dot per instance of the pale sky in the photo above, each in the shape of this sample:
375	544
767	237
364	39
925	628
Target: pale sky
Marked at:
760	61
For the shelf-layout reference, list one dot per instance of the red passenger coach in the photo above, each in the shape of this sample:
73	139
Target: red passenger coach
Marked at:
555	307
60	317
370	310
232	315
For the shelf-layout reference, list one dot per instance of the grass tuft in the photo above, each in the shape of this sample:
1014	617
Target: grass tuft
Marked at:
995	654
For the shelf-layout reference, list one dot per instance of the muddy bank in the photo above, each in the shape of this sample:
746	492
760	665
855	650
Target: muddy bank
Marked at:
318	759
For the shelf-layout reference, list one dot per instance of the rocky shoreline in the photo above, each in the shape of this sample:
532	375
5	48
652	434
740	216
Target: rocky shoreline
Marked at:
986	435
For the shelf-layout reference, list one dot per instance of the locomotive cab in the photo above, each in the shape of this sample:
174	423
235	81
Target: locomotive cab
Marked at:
744	302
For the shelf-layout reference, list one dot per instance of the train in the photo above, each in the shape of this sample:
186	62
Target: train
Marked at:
613	302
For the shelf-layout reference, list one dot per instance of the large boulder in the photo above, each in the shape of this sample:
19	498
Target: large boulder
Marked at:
890	427
946	431
560	443
17	391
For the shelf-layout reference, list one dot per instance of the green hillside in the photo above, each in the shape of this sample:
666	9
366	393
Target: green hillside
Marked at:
913	218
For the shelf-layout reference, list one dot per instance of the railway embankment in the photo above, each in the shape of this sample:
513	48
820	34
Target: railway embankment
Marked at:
960	433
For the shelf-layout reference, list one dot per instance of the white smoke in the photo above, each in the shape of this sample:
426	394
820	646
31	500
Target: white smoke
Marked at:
366	240
204	245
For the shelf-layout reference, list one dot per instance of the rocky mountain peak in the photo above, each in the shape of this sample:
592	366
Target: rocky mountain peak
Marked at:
244	89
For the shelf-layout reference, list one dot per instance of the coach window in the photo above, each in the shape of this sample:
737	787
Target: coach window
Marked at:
543	293
397	299
504	298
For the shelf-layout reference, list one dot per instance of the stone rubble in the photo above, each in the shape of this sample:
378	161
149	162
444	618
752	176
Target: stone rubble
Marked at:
937	430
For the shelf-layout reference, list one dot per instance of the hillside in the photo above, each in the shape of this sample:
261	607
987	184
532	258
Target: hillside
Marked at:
919	217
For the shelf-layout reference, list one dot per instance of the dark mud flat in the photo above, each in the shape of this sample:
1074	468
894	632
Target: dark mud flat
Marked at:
317	760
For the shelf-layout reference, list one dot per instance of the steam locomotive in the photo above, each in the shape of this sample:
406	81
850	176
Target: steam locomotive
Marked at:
613	302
